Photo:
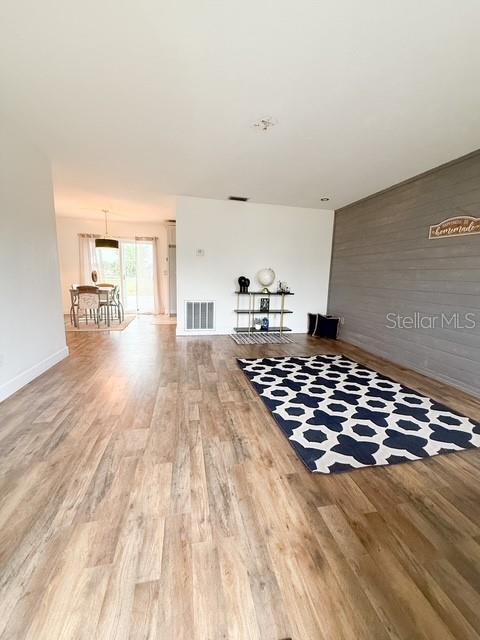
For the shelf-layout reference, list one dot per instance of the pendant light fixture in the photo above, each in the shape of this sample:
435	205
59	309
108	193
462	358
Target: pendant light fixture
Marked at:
106	242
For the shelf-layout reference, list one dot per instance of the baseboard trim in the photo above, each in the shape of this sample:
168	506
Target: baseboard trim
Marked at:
226	332
15	384
432	375
202	332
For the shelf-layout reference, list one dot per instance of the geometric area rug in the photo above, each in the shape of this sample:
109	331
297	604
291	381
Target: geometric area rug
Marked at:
339	415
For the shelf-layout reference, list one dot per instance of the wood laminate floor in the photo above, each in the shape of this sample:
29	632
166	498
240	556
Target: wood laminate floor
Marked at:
146	492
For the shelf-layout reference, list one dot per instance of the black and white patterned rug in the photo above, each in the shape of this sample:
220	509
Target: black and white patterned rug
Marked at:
340	415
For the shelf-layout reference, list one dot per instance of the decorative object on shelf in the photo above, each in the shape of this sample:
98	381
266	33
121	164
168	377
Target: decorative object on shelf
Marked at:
283	287
106	242
266	277
264	304
265	324
257	324
94	276
243	284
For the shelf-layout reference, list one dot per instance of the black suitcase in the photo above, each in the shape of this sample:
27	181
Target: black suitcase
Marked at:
323	326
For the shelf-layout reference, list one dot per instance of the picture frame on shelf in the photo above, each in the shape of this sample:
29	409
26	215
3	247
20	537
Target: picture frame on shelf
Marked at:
264	304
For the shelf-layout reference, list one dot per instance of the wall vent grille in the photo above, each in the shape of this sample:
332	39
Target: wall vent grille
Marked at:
199	315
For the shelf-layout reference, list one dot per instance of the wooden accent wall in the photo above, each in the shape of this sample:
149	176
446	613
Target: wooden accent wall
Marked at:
383	263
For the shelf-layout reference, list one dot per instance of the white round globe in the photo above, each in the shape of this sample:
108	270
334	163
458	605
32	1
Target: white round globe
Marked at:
266	277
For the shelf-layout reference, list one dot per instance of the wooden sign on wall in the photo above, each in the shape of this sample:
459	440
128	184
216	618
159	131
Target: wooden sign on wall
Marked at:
458	226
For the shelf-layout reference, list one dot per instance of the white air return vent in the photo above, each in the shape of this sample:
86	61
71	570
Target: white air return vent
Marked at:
199	315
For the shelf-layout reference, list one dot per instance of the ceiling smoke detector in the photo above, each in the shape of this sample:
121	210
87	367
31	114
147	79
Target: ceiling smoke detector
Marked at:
264	124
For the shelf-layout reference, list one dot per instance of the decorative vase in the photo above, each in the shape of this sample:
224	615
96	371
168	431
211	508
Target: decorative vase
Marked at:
266	277
283	287
243	284
265	324
257	325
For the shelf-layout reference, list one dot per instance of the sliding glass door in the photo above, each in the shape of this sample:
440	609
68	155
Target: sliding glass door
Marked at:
145	277
129	277
109	263
137	264
132	268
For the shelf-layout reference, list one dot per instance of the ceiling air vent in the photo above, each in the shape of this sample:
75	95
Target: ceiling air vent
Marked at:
238	198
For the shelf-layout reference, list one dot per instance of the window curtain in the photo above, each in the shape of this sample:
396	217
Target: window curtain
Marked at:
157	299
157	307
88	259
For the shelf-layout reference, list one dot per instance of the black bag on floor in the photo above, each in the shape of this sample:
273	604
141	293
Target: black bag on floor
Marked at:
322	326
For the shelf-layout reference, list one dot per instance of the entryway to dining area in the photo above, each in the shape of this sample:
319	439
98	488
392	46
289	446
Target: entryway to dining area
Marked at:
130	264
119	280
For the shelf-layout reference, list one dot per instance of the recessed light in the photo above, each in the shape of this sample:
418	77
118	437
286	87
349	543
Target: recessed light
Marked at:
324	199
238	198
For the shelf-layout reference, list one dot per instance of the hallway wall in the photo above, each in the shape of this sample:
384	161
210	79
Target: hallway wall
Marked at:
32	336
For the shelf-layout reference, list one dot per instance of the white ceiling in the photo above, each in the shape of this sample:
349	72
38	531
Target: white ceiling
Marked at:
137	99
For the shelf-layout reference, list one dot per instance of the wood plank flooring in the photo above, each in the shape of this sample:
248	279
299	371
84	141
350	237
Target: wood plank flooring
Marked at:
146	492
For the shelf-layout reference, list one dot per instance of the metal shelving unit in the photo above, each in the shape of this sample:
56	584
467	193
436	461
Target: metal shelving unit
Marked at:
252	311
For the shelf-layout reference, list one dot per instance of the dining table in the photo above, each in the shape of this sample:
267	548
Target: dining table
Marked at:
106	300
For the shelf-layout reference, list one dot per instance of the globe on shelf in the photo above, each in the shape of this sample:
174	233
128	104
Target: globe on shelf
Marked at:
266	277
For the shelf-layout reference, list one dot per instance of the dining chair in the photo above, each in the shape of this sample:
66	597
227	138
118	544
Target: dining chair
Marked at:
113	301
89	302
73	303
107	305
117	304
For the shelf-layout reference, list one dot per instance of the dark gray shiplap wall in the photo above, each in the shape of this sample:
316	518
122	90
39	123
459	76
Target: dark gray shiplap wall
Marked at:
383	263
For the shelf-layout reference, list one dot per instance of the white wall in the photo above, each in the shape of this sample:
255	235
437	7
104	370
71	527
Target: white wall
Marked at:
32	336
240	239
68	247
